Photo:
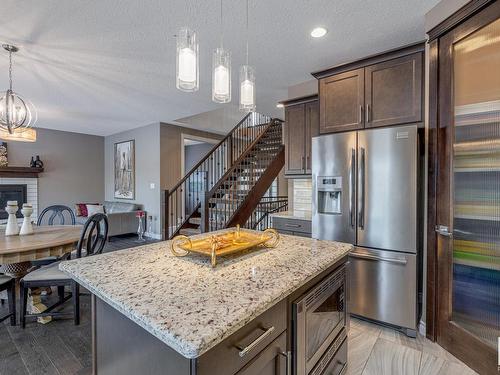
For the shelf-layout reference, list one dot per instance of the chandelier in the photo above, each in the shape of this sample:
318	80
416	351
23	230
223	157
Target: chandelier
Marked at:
17	115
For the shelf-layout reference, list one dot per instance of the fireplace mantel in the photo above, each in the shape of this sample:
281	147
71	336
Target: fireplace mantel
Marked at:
21	172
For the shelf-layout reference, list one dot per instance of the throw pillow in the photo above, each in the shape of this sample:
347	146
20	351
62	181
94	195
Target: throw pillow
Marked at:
94	209
78	210
81	209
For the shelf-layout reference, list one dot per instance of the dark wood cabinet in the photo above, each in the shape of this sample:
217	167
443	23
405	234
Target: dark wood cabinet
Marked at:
341	102
271	361
301	124
393	92
311	130
295	142
381	90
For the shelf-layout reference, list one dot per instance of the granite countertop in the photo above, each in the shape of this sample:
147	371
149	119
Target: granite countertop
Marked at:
191	306
298	215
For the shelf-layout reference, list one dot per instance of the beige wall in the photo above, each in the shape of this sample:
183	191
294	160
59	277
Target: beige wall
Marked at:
170	151
74	166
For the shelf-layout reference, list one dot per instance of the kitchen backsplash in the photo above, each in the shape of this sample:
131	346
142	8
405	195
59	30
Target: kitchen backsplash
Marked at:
301	194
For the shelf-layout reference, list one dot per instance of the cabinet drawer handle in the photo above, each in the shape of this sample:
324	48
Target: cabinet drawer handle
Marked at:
288	357
244	350
293	225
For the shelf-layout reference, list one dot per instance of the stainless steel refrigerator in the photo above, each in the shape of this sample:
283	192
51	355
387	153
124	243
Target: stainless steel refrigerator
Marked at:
365	193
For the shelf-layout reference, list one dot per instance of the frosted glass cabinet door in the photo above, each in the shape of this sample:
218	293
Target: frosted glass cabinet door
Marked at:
475	285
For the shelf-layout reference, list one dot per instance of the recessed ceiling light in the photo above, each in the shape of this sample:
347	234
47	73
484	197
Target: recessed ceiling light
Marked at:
279	105
318	32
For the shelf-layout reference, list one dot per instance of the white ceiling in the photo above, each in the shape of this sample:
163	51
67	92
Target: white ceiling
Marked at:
101	67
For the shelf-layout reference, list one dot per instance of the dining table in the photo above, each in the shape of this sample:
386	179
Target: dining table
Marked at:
17	252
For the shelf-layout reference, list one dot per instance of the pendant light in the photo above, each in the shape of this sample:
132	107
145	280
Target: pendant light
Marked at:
17	115
187	61
221	69
247	82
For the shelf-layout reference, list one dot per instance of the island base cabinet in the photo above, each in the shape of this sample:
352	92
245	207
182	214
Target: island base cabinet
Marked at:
271	361
120	346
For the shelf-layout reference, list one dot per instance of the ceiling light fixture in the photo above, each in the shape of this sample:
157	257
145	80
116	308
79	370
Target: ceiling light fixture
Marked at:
280	105
221	69
318	32
247	82
187	61
17	115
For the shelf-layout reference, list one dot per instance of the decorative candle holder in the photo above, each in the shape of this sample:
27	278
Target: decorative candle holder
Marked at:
140	230
12	228
27	227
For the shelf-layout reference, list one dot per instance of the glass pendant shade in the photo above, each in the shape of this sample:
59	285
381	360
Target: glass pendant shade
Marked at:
247	88
187	61
221	76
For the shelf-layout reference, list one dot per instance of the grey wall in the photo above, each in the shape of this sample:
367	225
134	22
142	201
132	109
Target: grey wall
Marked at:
157	164
303	89
147	169
74	168
442	11
194	153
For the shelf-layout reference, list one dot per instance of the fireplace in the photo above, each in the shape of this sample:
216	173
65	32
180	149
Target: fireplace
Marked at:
12	193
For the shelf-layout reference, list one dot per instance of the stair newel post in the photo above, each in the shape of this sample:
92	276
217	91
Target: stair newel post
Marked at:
204	211
166	215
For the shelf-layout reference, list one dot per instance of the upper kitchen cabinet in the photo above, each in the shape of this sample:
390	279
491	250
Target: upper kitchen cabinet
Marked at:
301	124
341	102
380	90
393	92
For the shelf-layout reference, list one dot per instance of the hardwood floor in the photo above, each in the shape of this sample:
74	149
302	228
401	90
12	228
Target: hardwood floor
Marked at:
58	347
62	348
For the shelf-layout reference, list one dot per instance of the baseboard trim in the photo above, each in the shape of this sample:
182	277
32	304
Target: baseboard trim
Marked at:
421	328
156	236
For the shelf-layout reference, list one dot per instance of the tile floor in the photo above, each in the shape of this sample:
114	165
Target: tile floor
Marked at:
376	350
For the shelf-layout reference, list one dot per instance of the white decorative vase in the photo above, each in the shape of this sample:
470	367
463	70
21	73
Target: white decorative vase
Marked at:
12	229
27	227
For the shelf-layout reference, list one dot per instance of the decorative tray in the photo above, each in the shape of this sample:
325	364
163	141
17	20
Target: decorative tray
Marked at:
230	242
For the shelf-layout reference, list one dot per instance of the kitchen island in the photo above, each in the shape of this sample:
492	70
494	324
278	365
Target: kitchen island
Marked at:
157	313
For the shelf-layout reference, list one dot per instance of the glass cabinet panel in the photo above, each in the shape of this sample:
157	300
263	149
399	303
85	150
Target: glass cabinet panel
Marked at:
476	184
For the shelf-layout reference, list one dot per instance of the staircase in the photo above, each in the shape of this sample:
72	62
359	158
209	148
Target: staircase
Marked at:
226	187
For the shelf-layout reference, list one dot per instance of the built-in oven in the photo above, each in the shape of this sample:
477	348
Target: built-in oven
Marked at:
319	322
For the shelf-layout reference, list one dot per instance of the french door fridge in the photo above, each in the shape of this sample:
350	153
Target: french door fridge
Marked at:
365	193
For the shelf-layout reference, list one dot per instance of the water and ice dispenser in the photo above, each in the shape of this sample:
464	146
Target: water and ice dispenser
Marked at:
329	195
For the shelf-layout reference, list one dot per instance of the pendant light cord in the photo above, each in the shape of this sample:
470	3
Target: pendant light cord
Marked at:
10	70
247	32
221	28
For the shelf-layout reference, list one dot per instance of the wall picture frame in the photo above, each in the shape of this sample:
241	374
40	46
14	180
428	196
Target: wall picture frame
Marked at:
124	159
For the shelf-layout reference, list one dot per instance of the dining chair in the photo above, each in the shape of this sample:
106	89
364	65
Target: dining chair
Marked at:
9	284
64	216
57	211
92	241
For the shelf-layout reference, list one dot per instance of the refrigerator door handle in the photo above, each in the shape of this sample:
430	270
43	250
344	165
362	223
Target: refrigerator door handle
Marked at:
361	192
374	257
351	187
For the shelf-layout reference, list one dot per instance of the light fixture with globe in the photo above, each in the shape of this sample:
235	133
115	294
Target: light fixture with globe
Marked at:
17	114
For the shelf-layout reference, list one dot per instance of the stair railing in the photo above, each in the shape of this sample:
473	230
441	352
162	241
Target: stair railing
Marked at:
261	217
182	200
216	215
